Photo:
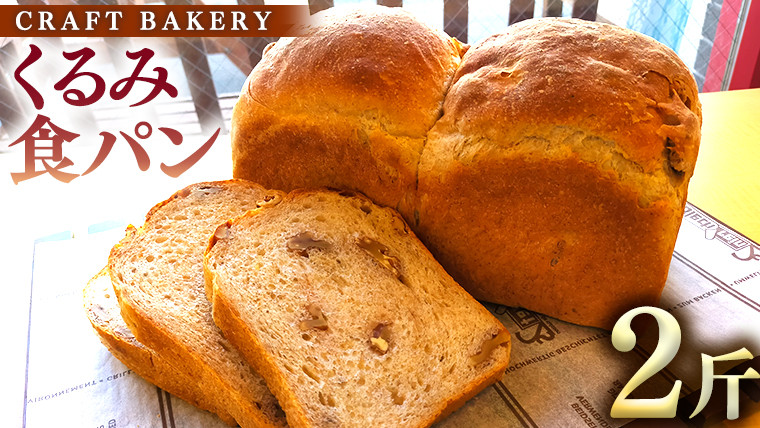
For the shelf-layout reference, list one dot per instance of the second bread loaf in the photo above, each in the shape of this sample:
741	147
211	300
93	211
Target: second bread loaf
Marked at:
557	177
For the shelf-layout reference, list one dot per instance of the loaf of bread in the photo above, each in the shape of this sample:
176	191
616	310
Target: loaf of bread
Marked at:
346	106
554	179
557	177
157	275
347	315
103	311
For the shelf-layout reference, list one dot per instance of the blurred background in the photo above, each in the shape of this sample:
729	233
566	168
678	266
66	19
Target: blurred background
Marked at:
719	40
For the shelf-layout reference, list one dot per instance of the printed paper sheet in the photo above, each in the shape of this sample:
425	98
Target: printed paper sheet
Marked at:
560	374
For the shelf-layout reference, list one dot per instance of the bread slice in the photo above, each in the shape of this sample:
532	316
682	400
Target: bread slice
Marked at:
102	310
157	274
347	315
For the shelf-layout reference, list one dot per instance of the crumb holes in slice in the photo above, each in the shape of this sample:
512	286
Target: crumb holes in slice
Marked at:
397	398
326	399
310	372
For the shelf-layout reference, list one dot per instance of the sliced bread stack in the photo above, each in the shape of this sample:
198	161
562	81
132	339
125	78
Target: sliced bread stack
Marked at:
347	315
326	298
104	314
157	275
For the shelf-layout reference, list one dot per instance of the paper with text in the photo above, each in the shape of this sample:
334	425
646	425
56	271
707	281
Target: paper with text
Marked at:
560	374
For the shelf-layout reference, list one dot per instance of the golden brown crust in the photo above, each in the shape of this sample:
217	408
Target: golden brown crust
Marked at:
375	59
557	177
470	391
347	106
558	130
582	251
606	80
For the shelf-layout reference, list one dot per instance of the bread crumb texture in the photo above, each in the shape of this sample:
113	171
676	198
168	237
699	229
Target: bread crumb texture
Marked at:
157	275
348	316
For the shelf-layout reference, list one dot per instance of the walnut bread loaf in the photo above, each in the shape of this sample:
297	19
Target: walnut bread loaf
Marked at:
157	276
553	169
347	315
557	177
347	106
103	311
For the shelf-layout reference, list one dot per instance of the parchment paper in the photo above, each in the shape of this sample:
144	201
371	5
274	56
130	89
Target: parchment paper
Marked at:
560	374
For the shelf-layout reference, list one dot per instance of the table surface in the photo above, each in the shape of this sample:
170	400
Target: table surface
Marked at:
726	181
725	185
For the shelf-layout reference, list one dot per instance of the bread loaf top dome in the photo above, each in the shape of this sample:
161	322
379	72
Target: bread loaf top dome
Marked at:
374	62
610	82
